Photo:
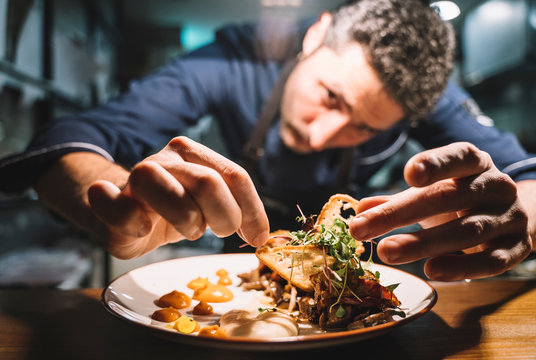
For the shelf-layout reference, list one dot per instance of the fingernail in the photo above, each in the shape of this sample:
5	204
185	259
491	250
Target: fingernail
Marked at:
421	176
359	227
433	272
390	251
260	240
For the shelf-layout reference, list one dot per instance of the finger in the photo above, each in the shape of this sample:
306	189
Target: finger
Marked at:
446	196
208	189
405	208
453	236
156	187
503	256
370	202
123	213
254	222
456	160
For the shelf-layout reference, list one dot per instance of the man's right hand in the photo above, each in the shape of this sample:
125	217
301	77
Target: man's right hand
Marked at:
170	196
174	195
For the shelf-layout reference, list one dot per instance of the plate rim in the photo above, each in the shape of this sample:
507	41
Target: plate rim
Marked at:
298	341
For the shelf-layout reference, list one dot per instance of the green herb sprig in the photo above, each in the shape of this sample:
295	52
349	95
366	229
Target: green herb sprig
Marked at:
341	246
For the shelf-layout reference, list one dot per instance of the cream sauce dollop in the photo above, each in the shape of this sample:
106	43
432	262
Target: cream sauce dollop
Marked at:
255	324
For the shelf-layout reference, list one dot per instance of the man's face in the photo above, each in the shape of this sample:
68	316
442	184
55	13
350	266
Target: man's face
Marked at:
334	99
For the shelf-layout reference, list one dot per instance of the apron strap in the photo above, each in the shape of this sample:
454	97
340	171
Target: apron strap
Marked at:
254	148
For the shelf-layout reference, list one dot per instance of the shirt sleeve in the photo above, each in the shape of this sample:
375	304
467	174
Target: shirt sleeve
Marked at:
131	126
457	117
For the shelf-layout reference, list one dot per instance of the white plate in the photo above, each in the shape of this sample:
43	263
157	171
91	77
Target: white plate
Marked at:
132	296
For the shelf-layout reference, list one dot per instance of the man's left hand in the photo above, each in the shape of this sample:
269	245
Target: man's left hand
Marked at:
474	223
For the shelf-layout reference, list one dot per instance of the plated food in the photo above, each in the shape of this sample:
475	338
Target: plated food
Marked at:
312	278
306	288
317	274
131	298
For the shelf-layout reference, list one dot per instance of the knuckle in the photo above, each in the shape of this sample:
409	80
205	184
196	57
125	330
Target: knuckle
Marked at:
443	192
388	217
140	172
226	226
500	185
139	167
179	143
188	219
507	185
208	180
525	242
479	188
526	246
192	226
522	218
236	174
511	192
136	181
476	228
500	261
195	234
224	232
470	151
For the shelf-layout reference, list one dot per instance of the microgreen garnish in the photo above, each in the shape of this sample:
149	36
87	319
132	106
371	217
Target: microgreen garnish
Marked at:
340	245
308	222
392	287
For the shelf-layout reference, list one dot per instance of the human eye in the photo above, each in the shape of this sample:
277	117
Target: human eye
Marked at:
331	99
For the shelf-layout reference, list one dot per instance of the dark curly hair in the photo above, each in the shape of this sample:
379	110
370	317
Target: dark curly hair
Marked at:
407	43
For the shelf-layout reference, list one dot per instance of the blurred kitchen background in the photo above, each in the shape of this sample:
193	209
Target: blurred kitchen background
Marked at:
63	56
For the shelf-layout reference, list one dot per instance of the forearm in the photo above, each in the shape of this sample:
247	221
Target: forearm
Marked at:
63	187
527	191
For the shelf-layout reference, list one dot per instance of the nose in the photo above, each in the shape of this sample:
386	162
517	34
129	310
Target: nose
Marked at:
324	129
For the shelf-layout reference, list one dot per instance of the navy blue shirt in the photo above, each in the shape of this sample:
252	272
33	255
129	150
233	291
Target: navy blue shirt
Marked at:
231	79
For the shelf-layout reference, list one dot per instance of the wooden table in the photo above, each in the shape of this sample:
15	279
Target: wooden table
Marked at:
492	319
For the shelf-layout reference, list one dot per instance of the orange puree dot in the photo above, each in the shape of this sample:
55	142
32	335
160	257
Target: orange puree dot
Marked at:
212	331
222	272
213	293
198	283
224	280
175	299
203	308
168	314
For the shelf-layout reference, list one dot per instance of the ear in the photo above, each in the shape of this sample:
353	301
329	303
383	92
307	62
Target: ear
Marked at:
314	37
